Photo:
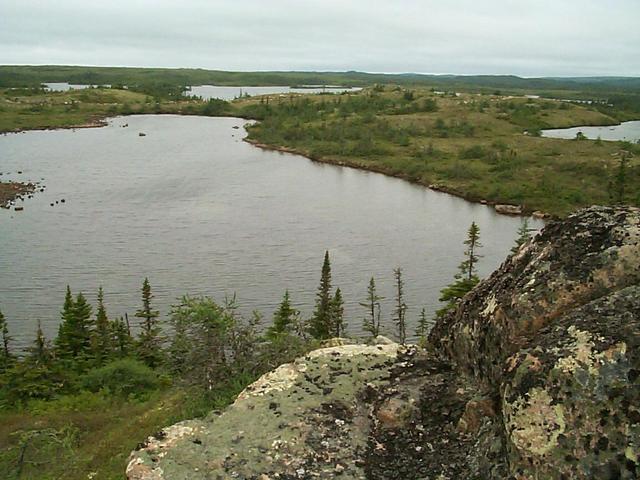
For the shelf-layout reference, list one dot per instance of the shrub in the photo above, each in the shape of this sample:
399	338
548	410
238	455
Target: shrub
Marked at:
122	377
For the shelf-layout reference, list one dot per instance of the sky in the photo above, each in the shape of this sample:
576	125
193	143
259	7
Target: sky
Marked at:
528	38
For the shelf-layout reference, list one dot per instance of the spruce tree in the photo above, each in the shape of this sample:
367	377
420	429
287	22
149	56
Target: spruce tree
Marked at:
121	340
423	326
284	318
321	322
371	324
6	357
39	353
468	266
149	342
64	340
74	334
524	235
337	314
83	324
467	276
399	314
102	333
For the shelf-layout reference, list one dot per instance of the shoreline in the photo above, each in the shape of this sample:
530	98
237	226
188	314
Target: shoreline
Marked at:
502	209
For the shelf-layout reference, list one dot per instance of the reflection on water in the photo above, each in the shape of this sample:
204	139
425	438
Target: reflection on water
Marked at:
197	210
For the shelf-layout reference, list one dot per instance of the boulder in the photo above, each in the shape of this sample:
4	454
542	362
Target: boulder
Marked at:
534	375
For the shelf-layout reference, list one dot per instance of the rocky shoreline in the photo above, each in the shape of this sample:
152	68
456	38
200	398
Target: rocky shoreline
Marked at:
12	191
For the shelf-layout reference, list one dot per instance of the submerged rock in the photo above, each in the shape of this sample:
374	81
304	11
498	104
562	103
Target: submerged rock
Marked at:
535	375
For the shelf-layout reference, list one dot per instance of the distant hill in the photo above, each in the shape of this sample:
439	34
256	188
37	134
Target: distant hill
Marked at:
20	76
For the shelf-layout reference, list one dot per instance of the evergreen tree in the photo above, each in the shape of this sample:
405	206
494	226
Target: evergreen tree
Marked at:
149	342
620	178
6	357
399	314
423	326
468	266
321	322
524	235
102	333
39	353
83	324
74	334
371	324
337	313
121	340
64	340
467	277
284	318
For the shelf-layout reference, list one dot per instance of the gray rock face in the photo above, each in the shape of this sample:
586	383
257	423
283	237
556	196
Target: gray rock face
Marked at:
536	375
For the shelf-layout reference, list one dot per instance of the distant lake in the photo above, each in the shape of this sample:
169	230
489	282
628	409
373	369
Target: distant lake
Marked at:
64	86
229	93
197	210
629	131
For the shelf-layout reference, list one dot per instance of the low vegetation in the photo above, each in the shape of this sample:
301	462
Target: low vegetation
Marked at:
481	147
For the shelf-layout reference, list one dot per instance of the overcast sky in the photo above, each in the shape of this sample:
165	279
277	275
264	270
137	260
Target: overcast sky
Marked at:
521	37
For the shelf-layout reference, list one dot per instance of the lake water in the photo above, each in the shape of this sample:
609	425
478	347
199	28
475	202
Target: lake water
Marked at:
629	131
197	210
64	86
229	93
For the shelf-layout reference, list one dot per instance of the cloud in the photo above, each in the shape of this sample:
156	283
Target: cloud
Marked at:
523	37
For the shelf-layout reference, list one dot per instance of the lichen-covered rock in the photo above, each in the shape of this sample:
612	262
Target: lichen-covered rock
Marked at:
535	375
586	256
571	399
307	419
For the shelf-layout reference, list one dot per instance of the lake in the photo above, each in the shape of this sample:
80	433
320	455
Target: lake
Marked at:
629	131
229	93
197	210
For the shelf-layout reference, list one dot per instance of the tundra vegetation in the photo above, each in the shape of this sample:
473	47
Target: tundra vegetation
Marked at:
481	146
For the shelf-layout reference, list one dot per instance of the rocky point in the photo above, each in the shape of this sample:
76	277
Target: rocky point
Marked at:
535	375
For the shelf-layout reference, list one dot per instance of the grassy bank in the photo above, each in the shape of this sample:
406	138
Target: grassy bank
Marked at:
471	145
90	435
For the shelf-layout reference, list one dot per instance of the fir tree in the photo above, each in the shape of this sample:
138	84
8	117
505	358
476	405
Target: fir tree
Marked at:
102	333
337	314
524	235
321	321
284	318
149	342
371	324
467	277
399	314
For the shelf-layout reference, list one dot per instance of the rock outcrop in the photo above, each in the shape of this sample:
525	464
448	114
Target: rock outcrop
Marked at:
535	375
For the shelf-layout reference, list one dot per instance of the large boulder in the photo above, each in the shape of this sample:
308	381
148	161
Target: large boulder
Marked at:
535	375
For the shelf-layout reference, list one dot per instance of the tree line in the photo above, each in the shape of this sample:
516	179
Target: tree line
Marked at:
208	342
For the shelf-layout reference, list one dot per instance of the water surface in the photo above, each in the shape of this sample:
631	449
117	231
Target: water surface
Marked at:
230	93
197	210
628	131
